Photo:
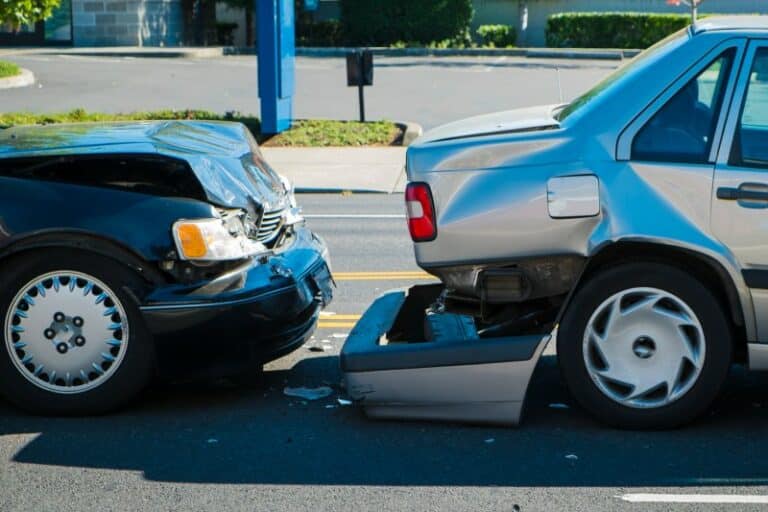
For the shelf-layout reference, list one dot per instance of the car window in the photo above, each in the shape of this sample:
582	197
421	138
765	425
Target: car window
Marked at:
750	146
682	130
666	45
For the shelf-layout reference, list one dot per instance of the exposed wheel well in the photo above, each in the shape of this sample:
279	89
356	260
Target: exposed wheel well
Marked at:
703	268
87	243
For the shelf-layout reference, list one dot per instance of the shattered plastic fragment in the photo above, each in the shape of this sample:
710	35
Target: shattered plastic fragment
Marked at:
308	393
344	401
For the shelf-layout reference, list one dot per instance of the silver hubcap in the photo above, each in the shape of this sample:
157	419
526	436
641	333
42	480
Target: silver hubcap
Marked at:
66	332
644	347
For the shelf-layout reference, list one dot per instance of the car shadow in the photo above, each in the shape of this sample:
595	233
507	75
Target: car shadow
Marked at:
220	433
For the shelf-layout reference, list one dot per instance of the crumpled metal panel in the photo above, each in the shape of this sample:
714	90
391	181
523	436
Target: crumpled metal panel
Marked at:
224	156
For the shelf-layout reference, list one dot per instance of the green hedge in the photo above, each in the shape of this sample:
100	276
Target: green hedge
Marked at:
385	22
321	33
611	29
497	36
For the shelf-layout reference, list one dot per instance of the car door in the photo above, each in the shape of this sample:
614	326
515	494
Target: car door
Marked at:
740	193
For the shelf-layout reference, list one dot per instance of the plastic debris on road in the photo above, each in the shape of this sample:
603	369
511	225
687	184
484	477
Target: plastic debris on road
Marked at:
344	402
308	393
559	406
572	456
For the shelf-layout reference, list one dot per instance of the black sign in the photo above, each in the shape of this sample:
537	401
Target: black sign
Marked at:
360	68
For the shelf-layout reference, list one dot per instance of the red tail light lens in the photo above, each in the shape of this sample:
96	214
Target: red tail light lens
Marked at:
421	212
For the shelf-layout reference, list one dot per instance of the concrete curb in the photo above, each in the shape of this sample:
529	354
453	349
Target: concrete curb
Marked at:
215	52
411	132
127	51
533	53
23	79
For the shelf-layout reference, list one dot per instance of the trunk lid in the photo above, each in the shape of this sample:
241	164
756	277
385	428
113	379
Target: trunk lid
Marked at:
510	121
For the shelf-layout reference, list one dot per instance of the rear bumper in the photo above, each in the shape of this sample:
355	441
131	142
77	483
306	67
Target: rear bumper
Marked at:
258	314
455	376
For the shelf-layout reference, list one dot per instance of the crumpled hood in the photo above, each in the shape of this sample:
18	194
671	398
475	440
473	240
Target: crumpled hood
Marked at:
223	156
510	121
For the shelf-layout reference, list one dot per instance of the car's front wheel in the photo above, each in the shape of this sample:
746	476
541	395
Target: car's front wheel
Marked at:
644	346
74	340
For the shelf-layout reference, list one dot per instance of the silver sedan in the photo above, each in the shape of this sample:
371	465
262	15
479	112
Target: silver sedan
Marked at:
634	220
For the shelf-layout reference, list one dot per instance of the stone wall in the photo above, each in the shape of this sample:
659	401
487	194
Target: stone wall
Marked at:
127	22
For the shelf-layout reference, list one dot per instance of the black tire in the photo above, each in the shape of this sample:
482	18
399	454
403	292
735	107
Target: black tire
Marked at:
714	323
136	366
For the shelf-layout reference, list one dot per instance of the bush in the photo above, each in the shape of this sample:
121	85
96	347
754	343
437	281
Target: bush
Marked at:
8	69
385	22
497	36
611	29
320	33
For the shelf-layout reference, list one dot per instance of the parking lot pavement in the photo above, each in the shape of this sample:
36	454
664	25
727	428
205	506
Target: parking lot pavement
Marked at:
217	446
425	90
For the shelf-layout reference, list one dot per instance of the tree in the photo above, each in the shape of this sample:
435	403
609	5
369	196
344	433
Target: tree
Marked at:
693	4
17	13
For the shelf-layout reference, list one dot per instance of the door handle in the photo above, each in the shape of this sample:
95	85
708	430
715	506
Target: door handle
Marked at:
744	192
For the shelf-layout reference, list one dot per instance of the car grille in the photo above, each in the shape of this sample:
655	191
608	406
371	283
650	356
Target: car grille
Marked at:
269	226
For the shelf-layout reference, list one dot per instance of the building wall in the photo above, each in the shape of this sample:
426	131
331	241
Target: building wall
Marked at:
227	14
127	22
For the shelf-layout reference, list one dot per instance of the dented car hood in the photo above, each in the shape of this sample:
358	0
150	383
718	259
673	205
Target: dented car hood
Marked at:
223	156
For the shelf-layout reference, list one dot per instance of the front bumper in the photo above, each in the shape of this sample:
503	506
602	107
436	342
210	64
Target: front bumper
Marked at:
245	318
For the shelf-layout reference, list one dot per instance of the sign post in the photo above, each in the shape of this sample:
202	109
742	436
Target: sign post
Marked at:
277	56
360	74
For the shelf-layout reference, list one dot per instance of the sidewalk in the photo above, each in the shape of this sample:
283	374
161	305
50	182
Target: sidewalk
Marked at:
370	169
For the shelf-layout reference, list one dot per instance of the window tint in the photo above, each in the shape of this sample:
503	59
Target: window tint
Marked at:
750	146
682	130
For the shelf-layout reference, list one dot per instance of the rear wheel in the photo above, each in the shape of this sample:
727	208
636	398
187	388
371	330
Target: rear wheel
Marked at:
644	346
75	342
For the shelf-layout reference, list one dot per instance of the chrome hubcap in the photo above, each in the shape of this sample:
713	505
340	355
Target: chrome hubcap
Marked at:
644	347
66	332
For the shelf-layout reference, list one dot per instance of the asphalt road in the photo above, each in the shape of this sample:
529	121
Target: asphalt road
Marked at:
216	446
429	91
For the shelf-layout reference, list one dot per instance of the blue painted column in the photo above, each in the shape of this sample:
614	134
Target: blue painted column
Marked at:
277	55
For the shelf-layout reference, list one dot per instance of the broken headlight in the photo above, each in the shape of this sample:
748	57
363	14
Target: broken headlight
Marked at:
215	239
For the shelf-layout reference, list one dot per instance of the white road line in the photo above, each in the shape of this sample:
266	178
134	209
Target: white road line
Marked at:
355	216
736	499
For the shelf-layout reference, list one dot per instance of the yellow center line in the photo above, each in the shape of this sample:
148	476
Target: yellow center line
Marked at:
329	320
334	317
342	325
381	276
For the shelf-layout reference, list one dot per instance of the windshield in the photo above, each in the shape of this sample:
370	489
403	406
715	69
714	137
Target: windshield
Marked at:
679	37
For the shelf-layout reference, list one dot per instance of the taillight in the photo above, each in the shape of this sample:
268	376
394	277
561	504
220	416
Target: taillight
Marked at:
421	212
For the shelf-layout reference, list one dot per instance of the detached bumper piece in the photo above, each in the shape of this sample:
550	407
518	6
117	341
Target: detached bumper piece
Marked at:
402	362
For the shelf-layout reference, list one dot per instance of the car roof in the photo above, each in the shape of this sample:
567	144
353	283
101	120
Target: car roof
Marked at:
162	137
731	23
